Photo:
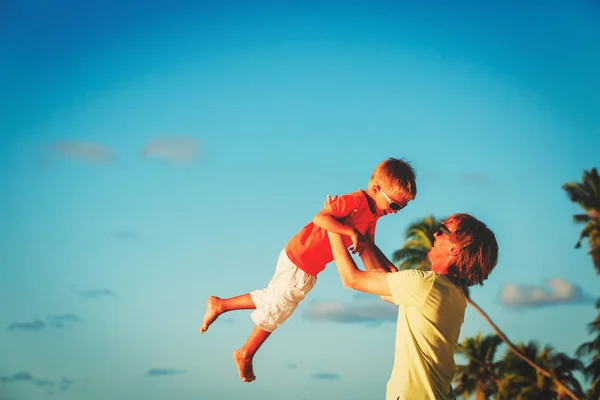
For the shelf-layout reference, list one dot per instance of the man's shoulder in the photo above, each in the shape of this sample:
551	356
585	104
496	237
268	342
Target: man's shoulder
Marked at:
410	277
417	273
410	287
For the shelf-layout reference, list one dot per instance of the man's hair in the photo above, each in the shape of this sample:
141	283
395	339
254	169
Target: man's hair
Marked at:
395	175
478	250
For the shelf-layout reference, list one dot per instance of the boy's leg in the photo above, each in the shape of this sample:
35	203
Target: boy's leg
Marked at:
216	306
243	356
290	292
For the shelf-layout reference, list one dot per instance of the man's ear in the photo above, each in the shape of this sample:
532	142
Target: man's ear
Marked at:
454	250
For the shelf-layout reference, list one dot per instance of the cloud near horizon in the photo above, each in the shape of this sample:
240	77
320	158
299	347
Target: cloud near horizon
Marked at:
44	383
32	326
557	291
60	321
371	313
164	371
24	376
53	321
83	151
175	149
17	377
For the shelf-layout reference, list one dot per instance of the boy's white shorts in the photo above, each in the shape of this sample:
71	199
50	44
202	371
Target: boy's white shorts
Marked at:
279	299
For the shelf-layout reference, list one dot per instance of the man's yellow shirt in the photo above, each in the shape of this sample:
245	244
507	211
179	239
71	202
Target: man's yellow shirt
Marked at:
430	315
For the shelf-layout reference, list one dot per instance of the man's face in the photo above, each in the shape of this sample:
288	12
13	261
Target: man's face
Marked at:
443	250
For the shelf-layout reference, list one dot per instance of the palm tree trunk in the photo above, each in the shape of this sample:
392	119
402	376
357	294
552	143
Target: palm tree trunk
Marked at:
514	349
594	248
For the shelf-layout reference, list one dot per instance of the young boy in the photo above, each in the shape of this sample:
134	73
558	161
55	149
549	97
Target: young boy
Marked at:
391	187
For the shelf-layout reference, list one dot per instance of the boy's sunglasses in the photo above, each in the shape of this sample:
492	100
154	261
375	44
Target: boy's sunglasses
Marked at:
392	204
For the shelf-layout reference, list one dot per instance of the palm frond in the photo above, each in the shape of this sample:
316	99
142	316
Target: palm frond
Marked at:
587	194
581	218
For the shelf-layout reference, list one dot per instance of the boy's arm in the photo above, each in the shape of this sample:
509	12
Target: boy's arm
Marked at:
374	282
325	219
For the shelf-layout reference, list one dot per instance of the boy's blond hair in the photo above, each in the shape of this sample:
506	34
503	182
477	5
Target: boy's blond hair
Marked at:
396	177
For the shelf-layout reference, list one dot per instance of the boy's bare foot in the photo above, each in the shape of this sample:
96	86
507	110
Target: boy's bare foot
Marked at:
213	310
244	366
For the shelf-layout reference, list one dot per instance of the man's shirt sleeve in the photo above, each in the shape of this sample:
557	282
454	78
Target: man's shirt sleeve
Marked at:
410	287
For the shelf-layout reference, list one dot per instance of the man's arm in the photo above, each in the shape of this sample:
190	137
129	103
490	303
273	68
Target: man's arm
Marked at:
373	282
374	259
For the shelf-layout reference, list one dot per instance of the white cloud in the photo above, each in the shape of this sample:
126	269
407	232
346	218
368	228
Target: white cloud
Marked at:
365	312
175	149
557	291
84	151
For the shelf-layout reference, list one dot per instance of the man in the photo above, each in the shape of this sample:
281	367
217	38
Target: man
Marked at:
431	303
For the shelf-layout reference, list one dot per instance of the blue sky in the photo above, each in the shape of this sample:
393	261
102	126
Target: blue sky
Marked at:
155	153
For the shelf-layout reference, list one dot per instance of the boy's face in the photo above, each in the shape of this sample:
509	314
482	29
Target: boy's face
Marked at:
390	203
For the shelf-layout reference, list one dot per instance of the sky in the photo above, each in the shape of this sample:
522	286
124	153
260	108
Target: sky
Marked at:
155	153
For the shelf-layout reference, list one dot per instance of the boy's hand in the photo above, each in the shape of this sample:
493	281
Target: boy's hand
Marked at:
328	200
358	242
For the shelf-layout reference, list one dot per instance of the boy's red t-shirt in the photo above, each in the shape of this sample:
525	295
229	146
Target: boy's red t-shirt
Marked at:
310	249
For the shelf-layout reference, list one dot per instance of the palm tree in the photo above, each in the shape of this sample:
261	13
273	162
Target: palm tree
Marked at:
419	240
522	382
592	348
587	195
417	245
481	374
